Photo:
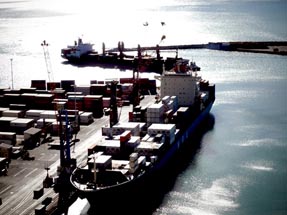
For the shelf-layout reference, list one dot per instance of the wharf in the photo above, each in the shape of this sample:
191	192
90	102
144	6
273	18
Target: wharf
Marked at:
264	47
26	176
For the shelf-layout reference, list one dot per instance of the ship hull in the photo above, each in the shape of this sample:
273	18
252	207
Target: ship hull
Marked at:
140	192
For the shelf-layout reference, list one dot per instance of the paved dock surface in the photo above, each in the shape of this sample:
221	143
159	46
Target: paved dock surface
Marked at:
17	188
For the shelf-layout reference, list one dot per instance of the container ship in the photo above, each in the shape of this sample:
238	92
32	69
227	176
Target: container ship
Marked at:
84	54
133	154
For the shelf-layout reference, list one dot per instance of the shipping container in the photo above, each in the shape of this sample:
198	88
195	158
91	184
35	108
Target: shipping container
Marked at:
53	85
68	85
19	125
86	118
38	84
8	138
5	123
14	113
6	151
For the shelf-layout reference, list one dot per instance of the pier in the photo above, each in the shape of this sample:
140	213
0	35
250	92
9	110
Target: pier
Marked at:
265	47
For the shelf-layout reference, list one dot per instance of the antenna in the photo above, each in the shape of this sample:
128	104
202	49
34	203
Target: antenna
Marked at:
45	45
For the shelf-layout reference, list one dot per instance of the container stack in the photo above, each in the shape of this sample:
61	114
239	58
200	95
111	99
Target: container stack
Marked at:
128	143
49	114
107	130
133	162
149	149
14	113
112	147
8	138
33	114
5	123
86	118
133	142
75	102
98	89
155	113
29	100
11	98
19	125
130	126
127	89
6	150
139	114
168	130
102	162
44	101
21	107
28	90
2	109
125	136
38	84
53	85
57	103
84	89
43	122
59	93
94	104
68	85
181	117
32	137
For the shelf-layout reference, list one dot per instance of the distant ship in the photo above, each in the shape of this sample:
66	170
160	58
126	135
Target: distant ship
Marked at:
84	54
77	51
132	153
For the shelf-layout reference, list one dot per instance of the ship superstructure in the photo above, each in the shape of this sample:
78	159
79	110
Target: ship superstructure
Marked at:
78	50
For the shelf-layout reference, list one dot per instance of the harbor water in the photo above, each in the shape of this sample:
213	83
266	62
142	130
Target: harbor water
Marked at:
240	164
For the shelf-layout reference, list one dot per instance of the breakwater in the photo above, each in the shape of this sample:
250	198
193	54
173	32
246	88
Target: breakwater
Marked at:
266	47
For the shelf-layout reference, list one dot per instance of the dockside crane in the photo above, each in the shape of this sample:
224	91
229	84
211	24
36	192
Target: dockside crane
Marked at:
67	164
45	46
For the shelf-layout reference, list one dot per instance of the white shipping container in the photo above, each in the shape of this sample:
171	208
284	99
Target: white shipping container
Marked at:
49	114
165	100
134	127
107	131
22	122
157	108
40	122
31	132
14	113
86	118
133	142
34	114
133	156
8	136
102	162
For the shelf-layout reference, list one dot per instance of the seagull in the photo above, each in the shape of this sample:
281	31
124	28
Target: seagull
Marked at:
162	23
145	24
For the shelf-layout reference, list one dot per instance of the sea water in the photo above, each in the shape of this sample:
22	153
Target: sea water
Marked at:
240	164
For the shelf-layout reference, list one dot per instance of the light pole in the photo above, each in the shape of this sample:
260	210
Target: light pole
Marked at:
12	79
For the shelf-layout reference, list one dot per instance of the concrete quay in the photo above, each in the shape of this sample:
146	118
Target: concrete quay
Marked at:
267	47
